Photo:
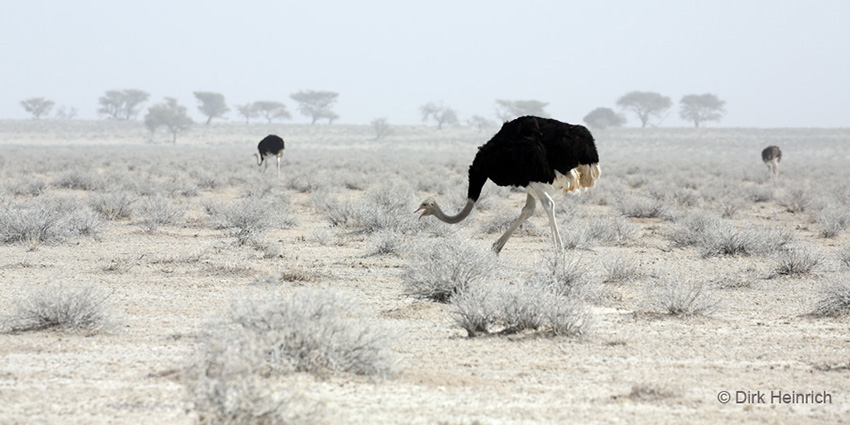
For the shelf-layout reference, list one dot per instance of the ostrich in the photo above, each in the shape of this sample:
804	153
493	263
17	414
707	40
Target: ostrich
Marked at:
270	146
771	156
539	154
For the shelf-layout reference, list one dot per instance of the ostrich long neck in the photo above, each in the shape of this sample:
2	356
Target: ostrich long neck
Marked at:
452	219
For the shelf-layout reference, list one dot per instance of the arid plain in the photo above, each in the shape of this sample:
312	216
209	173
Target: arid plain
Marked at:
695	271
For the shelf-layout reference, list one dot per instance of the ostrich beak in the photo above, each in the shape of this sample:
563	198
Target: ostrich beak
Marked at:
420	209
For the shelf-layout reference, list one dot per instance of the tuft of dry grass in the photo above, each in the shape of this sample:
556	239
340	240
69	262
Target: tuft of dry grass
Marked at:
679	297
798	262
835	299
508	309
440	269
70	309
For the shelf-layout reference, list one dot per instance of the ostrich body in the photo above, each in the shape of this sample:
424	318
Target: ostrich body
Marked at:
771	156
539	154
270	146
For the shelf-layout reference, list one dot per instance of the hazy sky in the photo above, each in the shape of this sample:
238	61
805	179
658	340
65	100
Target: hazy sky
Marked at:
776	63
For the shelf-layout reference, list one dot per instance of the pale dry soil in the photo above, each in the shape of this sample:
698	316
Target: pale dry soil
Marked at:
169	284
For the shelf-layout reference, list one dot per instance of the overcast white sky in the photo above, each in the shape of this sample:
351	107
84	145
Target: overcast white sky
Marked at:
777	63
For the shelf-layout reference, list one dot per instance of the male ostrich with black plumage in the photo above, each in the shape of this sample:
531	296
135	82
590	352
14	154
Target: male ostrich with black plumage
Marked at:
539	154
270	146
771	156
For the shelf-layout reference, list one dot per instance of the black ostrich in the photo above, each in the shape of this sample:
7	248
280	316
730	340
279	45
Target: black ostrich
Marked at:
270	146
539	154
771	156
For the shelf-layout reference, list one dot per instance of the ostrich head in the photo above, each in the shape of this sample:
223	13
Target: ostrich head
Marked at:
259	158
428	207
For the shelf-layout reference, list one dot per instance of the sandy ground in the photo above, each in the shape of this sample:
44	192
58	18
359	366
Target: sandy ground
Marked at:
637	365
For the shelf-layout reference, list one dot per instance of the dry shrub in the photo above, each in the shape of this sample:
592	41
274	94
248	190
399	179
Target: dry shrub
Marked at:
51	220
245	219
439	269
157	211
798	262
680	297
71	309
835	298
507	309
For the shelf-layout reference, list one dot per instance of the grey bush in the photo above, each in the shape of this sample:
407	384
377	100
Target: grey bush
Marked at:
227	384
439	269
641	207
113	205
387	208
835	298
51	220
621	269
798	261
832	221
71	309
611	229
796	201
691	229
310	331
386	242
506	309
248	218
725	239
759	193
679	297
844	258
157	211
79	179
563	274
28	186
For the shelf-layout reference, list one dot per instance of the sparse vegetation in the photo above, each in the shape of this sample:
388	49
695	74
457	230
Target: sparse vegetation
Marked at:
641	207
797	262
68	308
680	297
835	298
311	331
507	309
621	269
157	211
46	220
248	218
440	269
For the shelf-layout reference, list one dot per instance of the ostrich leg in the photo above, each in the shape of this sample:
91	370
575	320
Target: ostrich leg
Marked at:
527	211
549	206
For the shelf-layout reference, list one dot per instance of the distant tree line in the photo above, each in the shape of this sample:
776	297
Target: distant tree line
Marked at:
125	105
647	106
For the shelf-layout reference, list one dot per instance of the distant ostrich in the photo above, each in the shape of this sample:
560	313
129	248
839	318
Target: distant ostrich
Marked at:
270	146
771	156
539	154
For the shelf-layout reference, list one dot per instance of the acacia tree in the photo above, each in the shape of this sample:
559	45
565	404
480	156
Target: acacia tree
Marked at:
480	122
247	111
212	105
37	106
316	104
66	113
507	110
439	113
170	115
700	108
381	127
603	118
122	105
645	105
271	110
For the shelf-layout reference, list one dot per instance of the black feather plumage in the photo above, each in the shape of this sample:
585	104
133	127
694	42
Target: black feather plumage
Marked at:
530	149
271	145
